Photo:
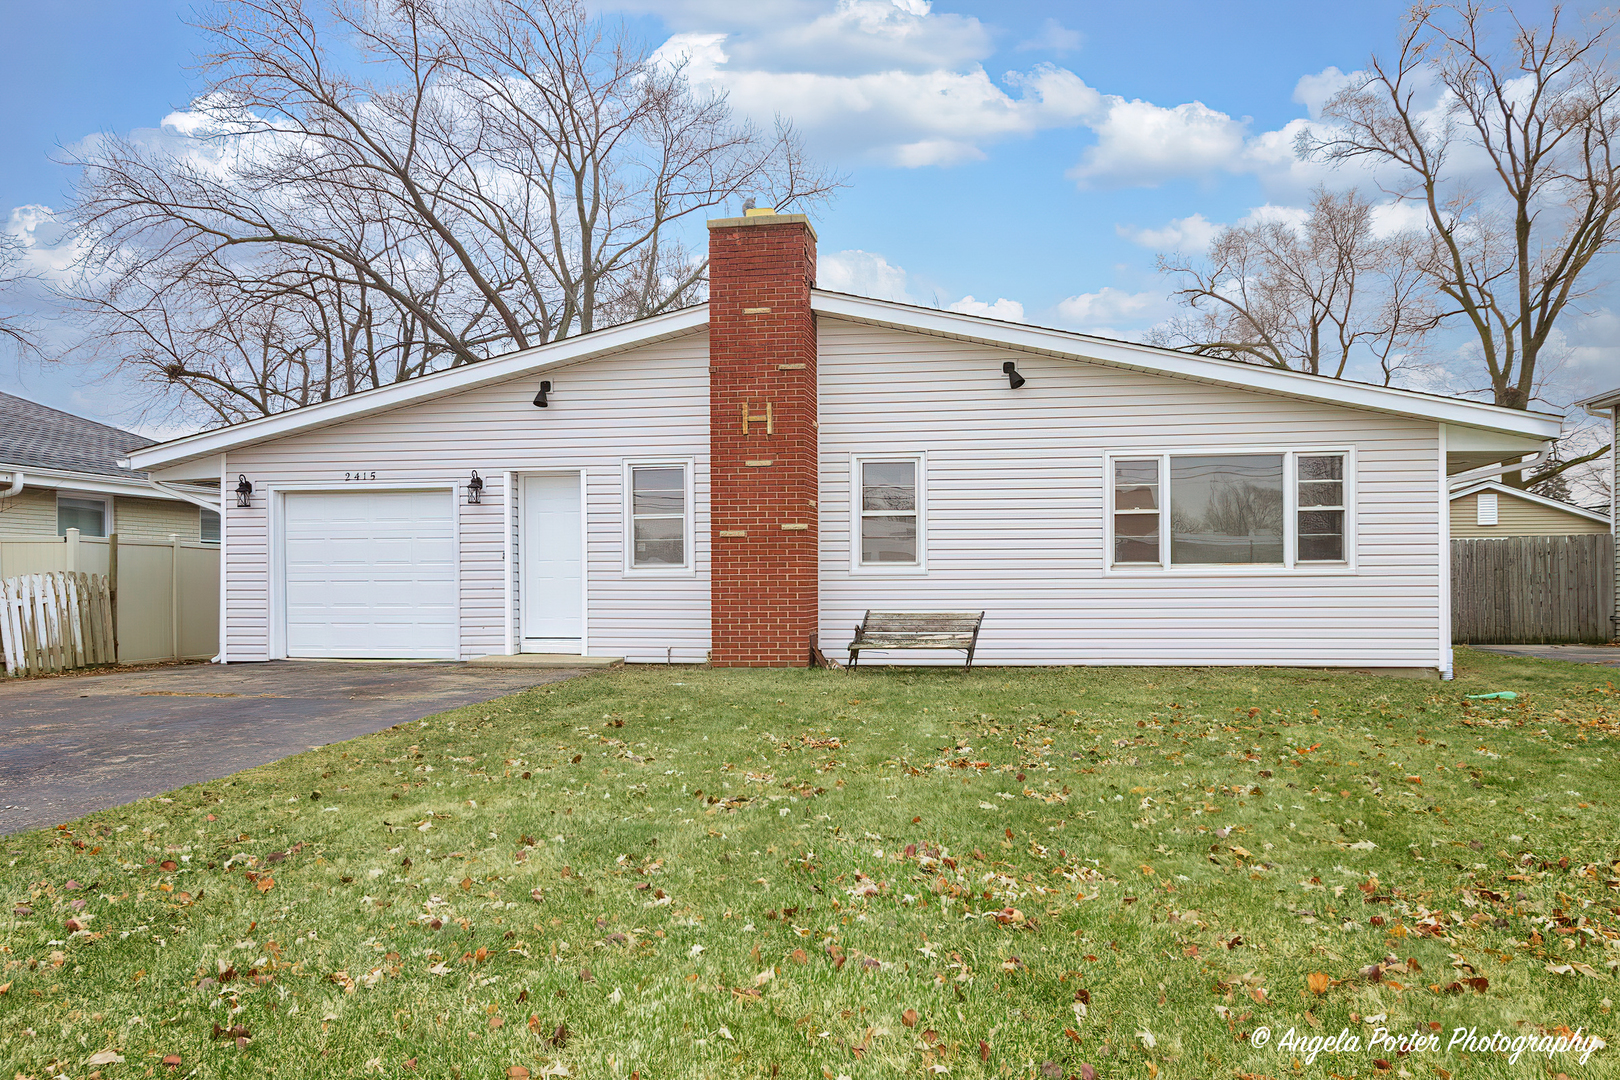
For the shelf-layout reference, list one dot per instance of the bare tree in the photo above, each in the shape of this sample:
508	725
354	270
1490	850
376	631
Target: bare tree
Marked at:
15	326
1504	133
507	173
1312	298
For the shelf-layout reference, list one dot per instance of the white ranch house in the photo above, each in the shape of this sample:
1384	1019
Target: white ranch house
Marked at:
1123	505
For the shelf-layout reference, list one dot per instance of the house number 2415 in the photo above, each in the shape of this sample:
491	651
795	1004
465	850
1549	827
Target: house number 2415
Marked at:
361	475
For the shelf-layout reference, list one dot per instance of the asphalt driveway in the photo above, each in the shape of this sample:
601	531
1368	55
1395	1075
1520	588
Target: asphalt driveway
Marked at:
1608	655
71	746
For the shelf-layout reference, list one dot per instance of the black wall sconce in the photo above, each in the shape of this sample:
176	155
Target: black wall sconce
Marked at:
244	491
540	401
1014	380
475	489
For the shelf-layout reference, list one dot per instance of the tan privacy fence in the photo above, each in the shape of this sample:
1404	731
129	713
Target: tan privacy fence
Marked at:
51	622
165	596
1532	590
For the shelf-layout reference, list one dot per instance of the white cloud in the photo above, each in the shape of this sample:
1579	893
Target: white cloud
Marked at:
1053	37
1107	309
1189	234
1313	91
1141	144
48	247
1003	309
864	273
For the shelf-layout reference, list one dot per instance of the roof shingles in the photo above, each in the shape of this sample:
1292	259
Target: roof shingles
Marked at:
35	436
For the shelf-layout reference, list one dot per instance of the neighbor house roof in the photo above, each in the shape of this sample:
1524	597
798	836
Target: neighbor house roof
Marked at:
35	436
1532	497
1063	344
1601	403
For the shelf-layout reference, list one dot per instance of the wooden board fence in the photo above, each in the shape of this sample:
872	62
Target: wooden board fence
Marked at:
1532	590
55	621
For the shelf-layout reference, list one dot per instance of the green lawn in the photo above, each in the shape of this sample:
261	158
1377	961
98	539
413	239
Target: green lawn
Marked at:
669	872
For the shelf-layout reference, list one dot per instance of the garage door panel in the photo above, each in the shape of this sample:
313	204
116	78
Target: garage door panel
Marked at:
370	575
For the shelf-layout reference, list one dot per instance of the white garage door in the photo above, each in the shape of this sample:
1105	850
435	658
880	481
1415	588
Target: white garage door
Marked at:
370	574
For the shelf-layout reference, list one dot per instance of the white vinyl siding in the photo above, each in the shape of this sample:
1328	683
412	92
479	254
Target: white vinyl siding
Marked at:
1017	511
646	403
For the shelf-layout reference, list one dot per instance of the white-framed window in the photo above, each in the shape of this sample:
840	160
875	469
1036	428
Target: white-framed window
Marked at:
92	516
1238	509
208	526
888	512
658	517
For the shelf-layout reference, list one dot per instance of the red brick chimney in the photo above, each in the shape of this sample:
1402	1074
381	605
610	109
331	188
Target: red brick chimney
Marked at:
762	440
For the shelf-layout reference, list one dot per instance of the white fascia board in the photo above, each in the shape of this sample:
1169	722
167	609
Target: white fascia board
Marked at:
1067	345
93	483
457	380
1530	497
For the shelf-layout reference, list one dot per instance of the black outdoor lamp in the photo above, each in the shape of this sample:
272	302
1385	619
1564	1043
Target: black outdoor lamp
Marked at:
244	491
475	489
1014	380
540	398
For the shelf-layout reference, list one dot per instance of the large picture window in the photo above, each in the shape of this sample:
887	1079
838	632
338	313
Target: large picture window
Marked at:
1279	509
658	516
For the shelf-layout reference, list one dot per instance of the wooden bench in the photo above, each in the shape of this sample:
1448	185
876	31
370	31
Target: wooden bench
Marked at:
917	630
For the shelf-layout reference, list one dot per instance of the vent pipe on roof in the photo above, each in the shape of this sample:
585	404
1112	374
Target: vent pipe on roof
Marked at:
16	485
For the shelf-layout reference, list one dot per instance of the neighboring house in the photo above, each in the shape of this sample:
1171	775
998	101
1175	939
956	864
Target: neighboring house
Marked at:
1608	406
1495	509
736	480
59	472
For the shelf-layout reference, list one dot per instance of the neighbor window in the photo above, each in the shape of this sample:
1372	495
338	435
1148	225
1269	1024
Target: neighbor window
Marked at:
209	526
889	513
89	516
1229	509
1485	507
658	517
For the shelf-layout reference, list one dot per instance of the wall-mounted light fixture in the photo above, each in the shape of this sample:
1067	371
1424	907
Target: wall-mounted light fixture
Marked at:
244	491
475	489
540	398
1014	380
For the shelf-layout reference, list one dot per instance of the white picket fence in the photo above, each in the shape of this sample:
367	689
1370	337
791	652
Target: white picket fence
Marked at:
55	621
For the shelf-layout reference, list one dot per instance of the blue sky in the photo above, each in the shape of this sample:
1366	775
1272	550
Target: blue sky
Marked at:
1017	158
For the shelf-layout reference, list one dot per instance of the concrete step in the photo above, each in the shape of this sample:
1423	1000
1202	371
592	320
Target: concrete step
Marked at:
550	660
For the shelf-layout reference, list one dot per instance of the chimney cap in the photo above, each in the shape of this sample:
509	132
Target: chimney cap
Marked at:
763	217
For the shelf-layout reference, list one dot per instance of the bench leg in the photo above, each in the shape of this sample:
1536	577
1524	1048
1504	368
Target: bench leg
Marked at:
969	665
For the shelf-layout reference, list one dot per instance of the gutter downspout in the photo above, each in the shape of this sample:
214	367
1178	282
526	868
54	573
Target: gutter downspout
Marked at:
1492	472
186	496
16	485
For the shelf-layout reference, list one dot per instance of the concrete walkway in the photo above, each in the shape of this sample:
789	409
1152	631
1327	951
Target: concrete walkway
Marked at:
76	744
1608	655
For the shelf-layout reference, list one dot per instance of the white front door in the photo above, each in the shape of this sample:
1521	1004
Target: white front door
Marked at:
552	574
370	574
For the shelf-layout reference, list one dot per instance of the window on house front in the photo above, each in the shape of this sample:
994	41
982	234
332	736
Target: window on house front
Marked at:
658	517
1136	511
209	527
1320	508
89	516
1226	509
889	534
1229	510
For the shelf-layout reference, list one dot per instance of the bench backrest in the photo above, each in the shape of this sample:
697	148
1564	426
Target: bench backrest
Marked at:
921	622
